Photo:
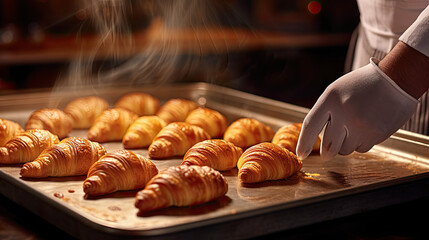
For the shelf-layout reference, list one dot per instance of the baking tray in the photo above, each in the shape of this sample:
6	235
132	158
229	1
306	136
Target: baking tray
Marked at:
392	172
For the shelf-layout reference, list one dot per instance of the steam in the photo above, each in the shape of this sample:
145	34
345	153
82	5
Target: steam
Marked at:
172	44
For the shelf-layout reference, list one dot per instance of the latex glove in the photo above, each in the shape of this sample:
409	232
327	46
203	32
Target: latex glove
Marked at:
360	109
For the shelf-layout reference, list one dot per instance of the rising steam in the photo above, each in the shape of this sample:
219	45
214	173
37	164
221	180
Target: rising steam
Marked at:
175	38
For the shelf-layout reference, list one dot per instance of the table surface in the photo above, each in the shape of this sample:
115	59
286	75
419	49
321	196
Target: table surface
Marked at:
404	221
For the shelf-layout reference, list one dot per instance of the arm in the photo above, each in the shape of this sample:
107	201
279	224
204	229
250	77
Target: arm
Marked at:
405	65
366	106
408	62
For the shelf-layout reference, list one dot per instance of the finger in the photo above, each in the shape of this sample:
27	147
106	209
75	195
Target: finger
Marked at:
311	127
364	148
332	141
350	143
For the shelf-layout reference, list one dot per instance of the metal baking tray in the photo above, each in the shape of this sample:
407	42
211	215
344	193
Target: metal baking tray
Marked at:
392	172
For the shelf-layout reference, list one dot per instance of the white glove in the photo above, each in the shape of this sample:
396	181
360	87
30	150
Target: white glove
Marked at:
360	109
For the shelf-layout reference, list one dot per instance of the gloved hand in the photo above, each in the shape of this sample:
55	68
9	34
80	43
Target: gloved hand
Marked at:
360	109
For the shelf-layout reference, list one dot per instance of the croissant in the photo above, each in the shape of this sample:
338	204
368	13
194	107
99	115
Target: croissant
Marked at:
267	161
26	146
210	120
8	129
120	170
176	110
216	153
111	125
246	132
139	103
181	186
142	132
175	139
72	156
287	137
83	111
51	119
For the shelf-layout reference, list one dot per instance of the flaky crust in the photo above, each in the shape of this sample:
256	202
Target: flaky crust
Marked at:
51	119
8	130
208	119
246	132
140	103
181	186
142	132
72	156
119	170
175	139
287	137
83	111
26	146
267	161
176	110
111	125
216	153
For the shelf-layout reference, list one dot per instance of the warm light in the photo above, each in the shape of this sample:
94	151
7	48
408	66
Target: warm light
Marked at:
314	7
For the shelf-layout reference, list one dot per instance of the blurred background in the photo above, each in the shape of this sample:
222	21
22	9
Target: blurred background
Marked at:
284	50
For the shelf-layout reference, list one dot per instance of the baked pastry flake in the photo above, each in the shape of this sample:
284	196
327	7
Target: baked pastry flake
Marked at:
142	132
246	132
118	171
26	146
51	119
111	125
181	186
84	110
216	153
73	156
267	161
140	103
176	110
208	119
8	130
175	139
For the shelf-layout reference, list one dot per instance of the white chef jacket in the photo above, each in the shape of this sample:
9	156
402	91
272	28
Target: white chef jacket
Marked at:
382	24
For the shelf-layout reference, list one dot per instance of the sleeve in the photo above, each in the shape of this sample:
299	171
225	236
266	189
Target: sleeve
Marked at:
417	35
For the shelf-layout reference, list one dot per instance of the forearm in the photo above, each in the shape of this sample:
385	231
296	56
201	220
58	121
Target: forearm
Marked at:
408	68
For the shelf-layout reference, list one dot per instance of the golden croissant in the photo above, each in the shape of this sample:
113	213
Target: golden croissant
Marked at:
176	110
120	170
142	132
246	132
8	130
71	157
26	146
83	111
51	119
175	139
210	120
267	161
138	102
111	125
287	137
181	186
216	153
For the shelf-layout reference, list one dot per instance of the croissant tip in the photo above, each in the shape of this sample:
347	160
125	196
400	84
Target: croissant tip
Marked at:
24	170
245	176
157	152
4	155
91	186
87	187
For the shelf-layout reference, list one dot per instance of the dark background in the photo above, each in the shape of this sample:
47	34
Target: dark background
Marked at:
293	73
